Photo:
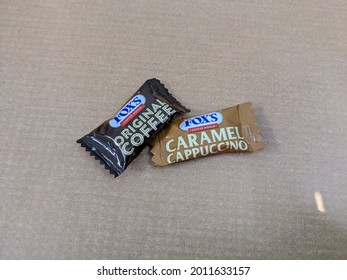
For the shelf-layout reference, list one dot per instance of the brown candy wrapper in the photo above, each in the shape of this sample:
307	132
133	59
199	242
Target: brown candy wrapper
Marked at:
119	140
231	130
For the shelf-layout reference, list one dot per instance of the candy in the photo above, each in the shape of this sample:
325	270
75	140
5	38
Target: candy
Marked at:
229	130
118	141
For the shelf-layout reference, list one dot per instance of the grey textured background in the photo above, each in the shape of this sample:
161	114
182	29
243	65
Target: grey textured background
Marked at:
66	66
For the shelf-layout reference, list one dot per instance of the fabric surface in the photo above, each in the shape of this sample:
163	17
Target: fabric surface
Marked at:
66	66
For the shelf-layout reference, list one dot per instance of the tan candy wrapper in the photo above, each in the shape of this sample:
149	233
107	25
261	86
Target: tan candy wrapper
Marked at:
231	130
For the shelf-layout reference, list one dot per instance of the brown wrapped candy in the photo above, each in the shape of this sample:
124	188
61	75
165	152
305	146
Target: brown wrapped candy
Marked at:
231	130
119	140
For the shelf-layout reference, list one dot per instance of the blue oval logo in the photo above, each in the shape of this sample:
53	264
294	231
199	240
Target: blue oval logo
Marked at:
202	122
129	111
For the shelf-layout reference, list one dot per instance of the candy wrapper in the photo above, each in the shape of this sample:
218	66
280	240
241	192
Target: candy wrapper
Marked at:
118	141
231	130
